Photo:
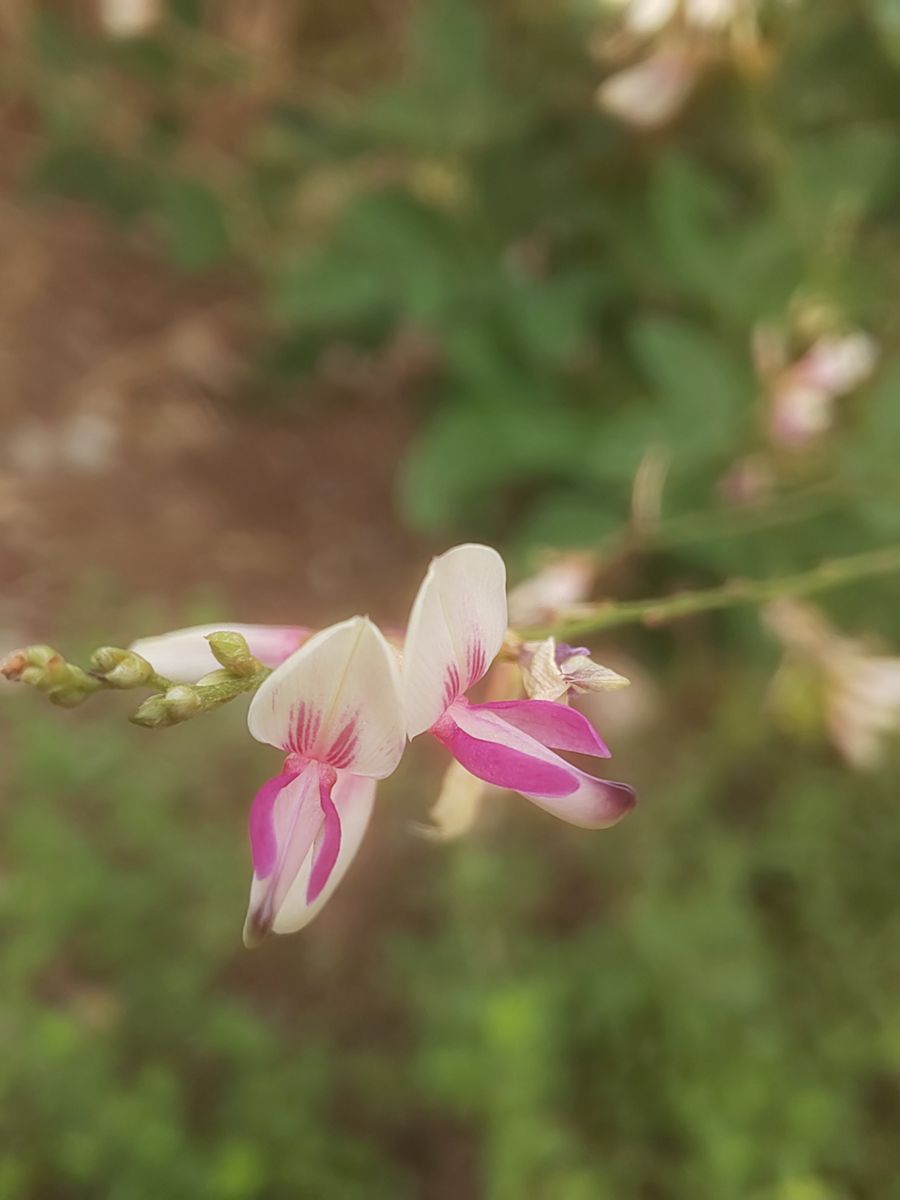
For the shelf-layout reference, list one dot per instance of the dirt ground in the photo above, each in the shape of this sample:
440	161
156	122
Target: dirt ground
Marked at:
135	446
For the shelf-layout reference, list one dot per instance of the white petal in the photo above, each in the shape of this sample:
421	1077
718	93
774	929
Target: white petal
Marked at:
456	628
649	16
713	14
335	700
837	365
184	655
651	92
457	806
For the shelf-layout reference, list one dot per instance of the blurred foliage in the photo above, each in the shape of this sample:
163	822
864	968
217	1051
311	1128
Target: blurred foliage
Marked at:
702	1004
445	173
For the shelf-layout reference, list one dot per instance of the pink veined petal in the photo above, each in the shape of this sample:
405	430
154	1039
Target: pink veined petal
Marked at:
295	818
328	844
456	627
494	750
184	655
353	798
336	700
263	839
549	723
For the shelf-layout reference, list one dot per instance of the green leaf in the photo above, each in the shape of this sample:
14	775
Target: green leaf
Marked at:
88	172
469	454
195	224
702	392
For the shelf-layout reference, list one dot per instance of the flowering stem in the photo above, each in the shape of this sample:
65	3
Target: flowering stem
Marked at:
829	574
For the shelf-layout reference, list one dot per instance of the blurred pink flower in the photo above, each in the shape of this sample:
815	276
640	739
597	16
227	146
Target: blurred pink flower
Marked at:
859	691
803	395
558	587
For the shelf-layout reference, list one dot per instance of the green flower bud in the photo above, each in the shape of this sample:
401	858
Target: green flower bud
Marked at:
232	651
152	713
182	702
121	668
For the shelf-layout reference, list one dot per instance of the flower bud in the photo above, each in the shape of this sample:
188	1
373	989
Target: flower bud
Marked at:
29	664
178	704
152	713
121	668
232	651
182	702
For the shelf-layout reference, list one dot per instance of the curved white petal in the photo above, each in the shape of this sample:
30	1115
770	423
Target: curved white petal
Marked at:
456	627
184	655
354	798
335	700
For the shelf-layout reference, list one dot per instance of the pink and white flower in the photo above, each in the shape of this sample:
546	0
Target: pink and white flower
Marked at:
333	708
456	629
804	394
184	655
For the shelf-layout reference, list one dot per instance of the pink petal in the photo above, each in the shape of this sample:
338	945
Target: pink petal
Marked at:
336	700
550	724
184	655
496	751
456	627
353	798
294	816
328	845
263	841
494	761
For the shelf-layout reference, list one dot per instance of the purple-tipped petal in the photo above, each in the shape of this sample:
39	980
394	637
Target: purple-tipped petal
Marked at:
484	742
328	844
551	724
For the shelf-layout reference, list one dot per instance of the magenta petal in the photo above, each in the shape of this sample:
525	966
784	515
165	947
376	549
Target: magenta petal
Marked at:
551	724
263	840
497	762
586	801
328	846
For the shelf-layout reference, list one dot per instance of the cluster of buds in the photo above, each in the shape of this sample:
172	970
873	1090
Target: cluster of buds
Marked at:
236	670
676	42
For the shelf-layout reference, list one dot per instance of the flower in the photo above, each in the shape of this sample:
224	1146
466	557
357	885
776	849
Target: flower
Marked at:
803	395
859	692
456	628
551	671
184	655
333	708
559	586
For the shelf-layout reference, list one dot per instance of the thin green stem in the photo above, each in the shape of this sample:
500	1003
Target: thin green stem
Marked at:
830	574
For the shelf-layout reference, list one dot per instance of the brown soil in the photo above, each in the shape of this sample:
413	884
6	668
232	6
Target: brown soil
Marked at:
135	446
